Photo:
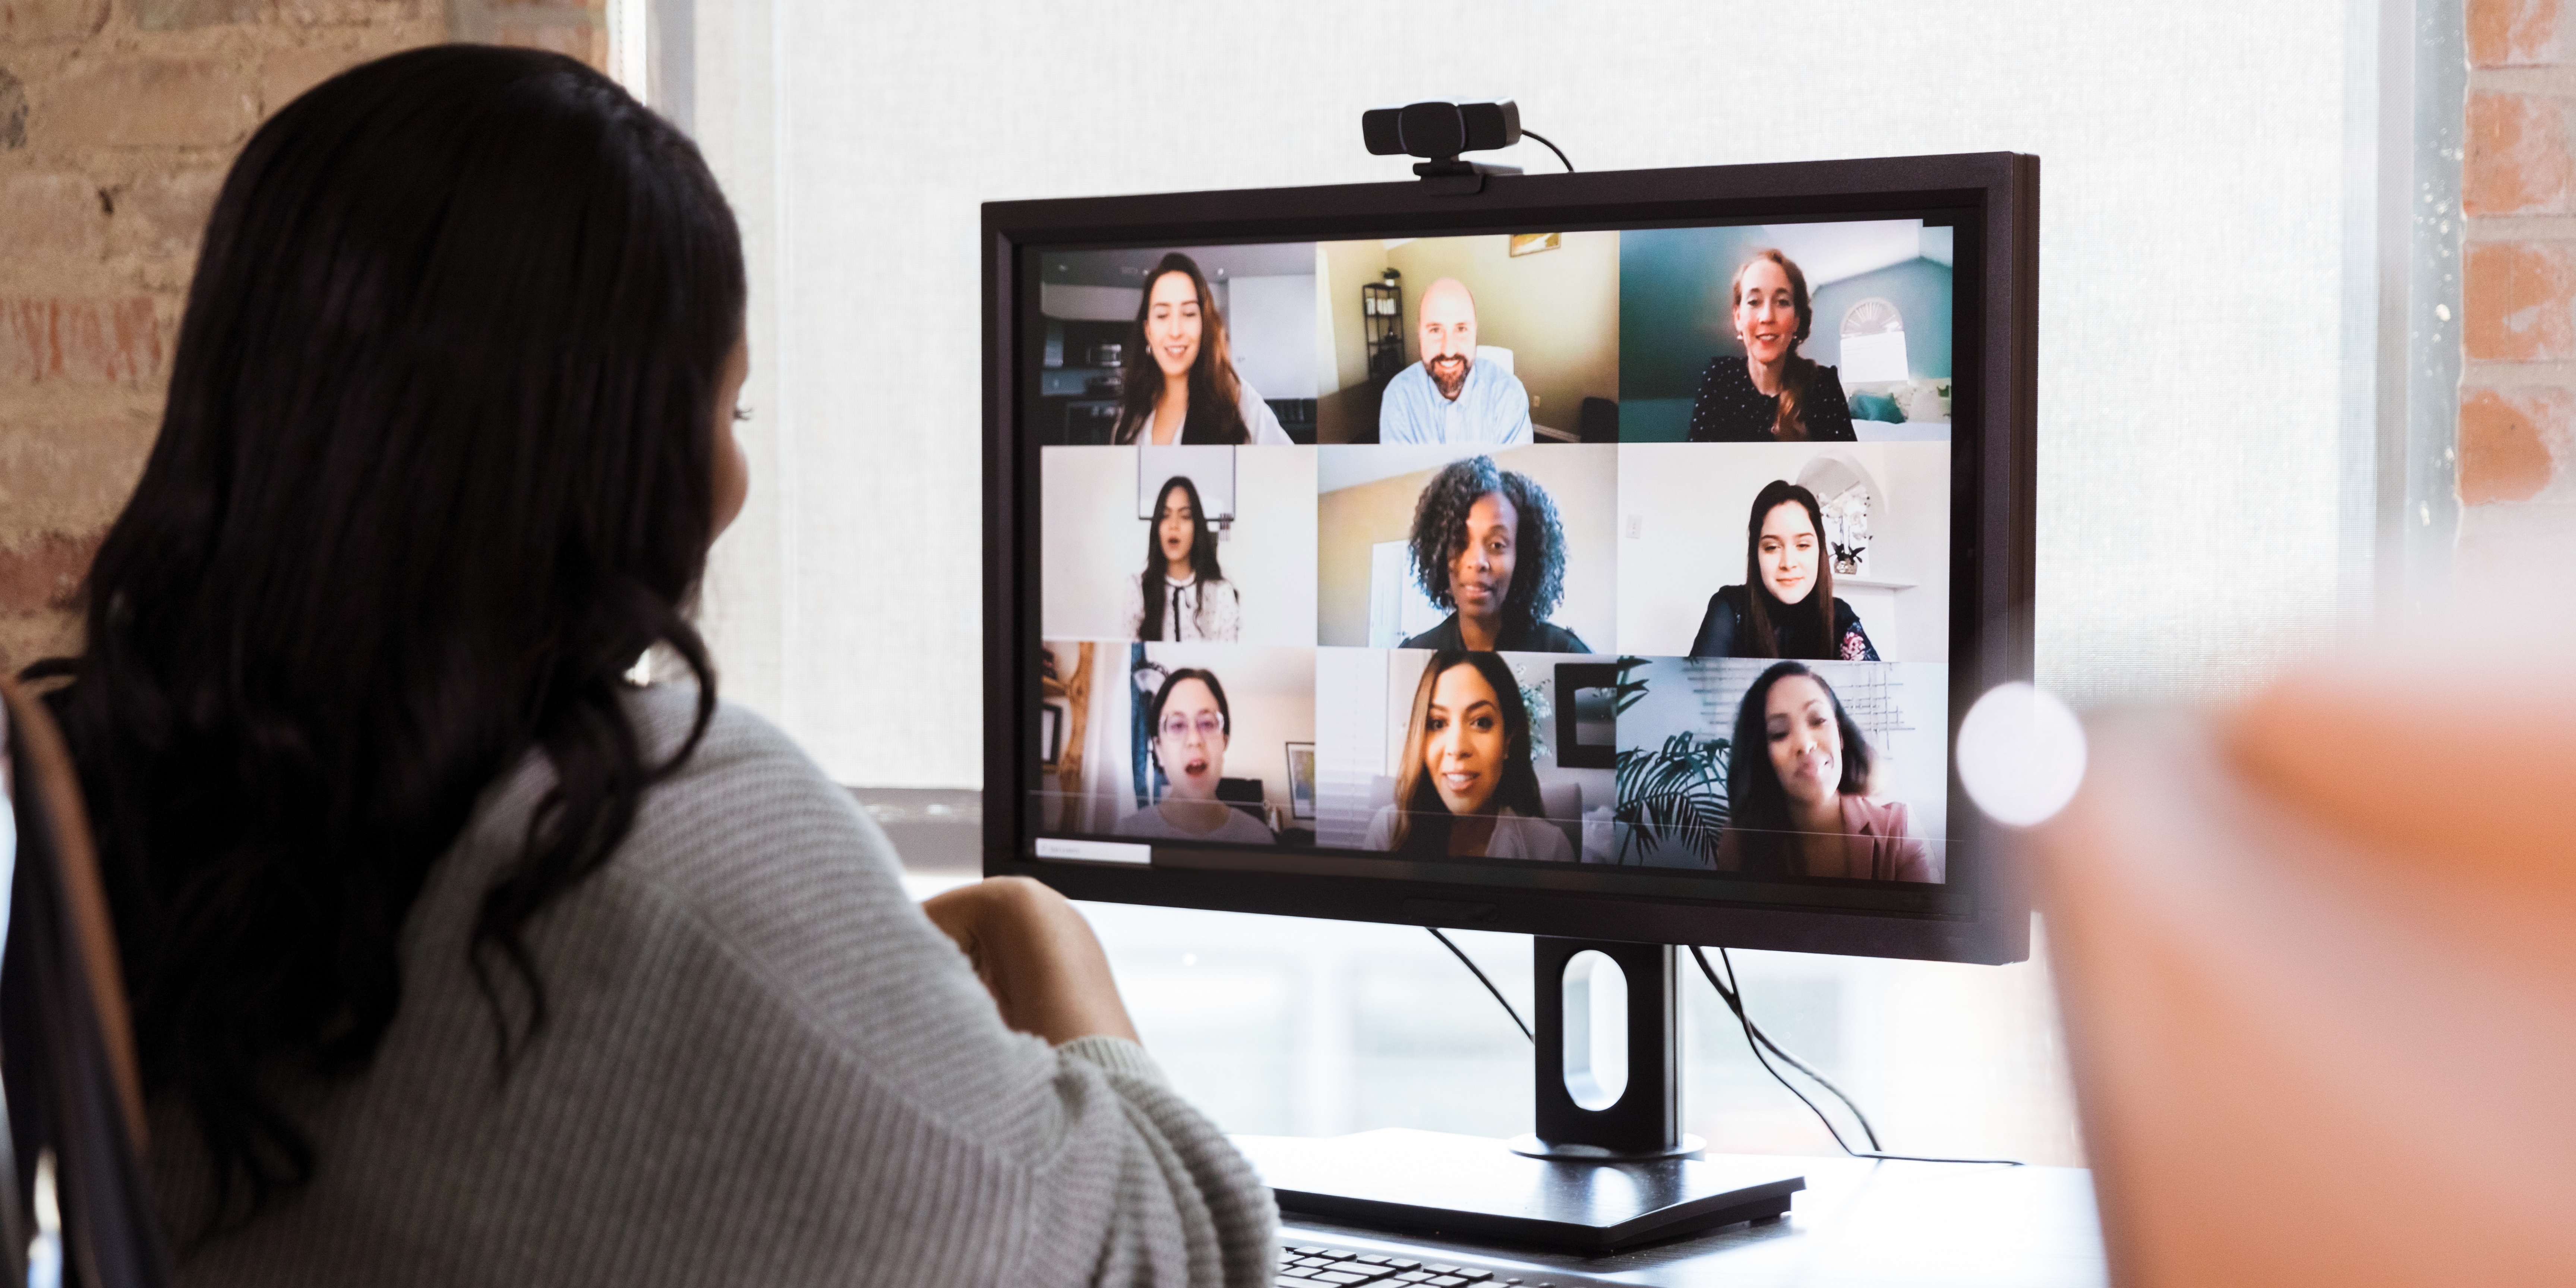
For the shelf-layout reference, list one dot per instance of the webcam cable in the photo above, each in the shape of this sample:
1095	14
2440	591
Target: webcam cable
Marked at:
1560	152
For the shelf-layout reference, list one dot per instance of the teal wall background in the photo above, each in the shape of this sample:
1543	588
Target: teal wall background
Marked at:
1672	319
1920	290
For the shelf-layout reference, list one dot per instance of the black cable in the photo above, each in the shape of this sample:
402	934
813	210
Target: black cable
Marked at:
1733	994
1480	978
1560	152
1735	1002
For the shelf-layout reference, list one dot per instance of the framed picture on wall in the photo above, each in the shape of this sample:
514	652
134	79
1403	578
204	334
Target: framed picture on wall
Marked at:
1301	780
1051	726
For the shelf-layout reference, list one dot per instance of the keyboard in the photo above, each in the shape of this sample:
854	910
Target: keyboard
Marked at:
1307	1265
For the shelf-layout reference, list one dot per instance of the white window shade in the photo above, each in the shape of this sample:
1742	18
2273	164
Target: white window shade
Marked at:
1870	358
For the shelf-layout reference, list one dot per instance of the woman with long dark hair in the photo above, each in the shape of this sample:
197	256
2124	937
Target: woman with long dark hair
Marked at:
1487	545
1182	594
1773	394
1466	785
1797	786
455	957
1177	382
1785	606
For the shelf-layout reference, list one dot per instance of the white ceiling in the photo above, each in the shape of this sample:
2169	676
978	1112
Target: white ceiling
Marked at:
1832	252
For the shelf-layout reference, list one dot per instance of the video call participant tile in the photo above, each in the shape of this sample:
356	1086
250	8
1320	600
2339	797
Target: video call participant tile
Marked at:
1808	332
1453	547
1200	743
1459	754
1822	770
1836	551
1180	544
1493	341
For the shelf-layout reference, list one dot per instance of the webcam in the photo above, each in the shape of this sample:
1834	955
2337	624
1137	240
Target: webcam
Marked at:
1438	132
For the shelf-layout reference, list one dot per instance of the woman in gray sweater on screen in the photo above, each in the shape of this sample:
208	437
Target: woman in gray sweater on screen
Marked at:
455	958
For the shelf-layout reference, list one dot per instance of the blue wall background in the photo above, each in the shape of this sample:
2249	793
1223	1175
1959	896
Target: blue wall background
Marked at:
1672	319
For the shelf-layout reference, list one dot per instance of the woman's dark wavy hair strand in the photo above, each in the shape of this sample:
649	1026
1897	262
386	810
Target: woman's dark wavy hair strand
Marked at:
436	466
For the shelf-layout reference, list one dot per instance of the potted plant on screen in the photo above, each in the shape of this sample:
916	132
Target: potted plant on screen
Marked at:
1672	795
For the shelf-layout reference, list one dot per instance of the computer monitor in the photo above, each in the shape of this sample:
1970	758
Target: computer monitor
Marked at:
1606	557
1332	498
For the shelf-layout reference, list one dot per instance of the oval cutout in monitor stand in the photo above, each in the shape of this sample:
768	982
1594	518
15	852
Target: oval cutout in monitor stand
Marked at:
1596	1030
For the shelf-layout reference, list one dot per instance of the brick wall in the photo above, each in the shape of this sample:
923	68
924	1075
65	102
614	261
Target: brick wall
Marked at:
117	120
2517	434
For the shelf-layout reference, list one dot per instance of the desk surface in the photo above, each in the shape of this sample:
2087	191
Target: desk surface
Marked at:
1886	1225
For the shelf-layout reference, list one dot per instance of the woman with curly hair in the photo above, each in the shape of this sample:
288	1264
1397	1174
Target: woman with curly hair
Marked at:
1487	546
1798	789
1466	786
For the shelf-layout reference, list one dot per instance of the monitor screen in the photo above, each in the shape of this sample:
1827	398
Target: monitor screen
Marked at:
1615	559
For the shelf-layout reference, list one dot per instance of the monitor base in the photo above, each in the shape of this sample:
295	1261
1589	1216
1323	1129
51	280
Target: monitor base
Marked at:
1529	1145
1470	1186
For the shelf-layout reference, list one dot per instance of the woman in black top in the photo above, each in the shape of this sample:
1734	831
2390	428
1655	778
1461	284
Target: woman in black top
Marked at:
1771	394
1786	606
1487	544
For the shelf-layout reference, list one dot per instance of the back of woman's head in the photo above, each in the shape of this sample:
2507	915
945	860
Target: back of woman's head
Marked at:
437	465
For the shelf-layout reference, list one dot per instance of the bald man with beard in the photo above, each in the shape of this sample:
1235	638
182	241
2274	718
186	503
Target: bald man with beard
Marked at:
1449	397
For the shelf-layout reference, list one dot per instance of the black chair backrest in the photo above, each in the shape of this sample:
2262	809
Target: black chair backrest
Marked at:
66	1047
1598	421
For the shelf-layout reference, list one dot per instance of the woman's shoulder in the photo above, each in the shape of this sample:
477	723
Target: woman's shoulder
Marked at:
1552	638
1888	819
1724	369
746	822
1531	838
1445	635
1381	829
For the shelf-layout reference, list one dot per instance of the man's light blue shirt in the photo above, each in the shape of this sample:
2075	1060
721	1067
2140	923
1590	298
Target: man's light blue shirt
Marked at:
1492	409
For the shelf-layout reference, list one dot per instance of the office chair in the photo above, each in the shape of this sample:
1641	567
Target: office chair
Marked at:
66	1051
2319	987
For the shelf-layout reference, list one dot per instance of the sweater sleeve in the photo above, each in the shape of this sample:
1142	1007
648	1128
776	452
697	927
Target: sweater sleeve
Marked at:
1071	1165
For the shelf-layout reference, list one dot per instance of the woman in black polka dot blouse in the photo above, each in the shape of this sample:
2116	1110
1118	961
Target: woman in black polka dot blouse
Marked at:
1771	394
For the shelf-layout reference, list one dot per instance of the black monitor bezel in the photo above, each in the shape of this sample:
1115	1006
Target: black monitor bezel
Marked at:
1993	461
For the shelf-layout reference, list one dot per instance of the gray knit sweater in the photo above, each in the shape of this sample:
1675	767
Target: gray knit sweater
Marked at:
763	1065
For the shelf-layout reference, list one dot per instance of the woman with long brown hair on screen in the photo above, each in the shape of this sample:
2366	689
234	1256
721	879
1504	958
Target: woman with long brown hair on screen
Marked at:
1798	791
1773	394
1785	607
1466	786
1177	379
456	957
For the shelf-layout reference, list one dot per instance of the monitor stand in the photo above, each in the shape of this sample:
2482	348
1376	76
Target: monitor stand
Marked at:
1588	1179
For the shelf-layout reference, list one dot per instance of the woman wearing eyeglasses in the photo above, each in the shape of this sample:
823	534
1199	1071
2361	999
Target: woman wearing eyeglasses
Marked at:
1191	723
